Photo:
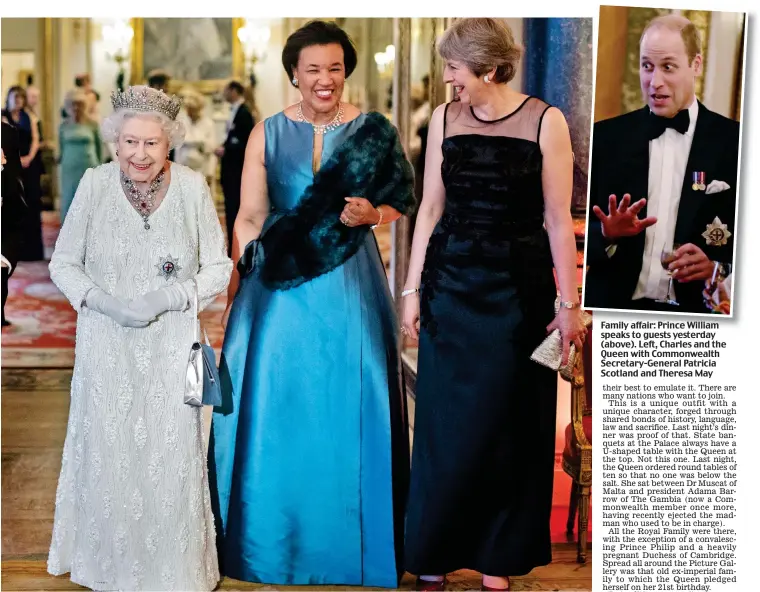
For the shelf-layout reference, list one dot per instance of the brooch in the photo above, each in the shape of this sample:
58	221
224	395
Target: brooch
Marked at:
168	267
717	233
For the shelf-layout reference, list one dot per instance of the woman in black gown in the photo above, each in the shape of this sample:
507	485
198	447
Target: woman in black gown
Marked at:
480	298
28	134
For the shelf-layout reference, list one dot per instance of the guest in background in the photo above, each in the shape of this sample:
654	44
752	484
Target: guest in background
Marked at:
159	79
249	97
32	107
84	82
15	113
418	142
197	150
14	208
232	153
80	146
420	118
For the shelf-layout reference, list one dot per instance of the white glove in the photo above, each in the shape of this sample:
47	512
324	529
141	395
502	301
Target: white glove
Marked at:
150	305
118	310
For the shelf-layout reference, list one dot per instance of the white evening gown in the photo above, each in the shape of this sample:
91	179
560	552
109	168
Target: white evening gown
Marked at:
132	506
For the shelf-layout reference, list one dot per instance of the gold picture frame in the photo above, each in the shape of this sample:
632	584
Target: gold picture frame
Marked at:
205	86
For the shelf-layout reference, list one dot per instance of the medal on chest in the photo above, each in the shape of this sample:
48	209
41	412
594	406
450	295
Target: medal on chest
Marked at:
699	181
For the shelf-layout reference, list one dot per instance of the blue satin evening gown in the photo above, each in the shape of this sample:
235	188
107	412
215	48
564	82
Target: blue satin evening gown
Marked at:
310	449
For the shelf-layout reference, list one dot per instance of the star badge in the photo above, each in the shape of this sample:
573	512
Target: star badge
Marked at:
716	234
168	267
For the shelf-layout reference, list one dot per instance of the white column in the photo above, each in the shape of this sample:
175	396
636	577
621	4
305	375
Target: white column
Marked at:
722	60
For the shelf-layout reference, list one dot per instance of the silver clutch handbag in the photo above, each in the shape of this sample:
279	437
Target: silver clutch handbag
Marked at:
194	374
549	353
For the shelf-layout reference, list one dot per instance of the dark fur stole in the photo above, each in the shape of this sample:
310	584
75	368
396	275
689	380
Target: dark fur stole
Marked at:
310	239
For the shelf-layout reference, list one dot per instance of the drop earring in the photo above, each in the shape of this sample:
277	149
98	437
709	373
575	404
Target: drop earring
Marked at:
295	81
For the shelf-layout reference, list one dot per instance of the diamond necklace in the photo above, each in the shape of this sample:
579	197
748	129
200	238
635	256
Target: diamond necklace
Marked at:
324	128
143	203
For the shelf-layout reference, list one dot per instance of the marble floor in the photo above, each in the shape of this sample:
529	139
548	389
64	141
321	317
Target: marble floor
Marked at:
34	414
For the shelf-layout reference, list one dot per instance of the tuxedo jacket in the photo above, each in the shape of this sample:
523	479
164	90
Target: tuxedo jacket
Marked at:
15	211
619	165
234	145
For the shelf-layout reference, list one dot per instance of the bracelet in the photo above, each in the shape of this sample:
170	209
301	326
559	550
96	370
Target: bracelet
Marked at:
380	221
408	292
568	304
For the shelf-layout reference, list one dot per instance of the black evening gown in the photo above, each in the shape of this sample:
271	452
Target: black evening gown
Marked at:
483	451
32	248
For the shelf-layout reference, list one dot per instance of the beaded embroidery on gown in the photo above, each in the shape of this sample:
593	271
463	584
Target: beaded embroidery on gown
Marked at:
132	505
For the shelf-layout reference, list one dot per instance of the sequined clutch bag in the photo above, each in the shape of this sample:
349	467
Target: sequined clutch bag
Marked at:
549	353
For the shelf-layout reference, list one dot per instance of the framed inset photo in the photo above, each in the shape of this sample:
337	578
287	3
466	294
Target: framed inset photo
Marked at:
664	186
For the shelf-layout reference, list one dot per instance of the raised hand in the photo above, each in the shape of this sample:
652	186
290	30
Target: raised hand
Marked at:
623	220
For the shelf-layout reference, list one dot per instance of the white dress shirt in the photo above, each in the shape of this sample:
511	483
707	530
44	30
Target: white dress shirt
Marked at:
668	156
233	112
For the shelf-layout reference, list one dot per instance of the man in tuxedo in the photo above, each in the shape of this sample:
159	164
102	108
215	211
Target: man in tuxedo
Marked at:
14	208
232	153
661	176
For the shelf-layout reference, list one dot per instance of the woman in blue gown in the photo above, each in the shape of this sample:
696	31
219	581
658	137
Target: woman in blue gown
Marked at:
310	448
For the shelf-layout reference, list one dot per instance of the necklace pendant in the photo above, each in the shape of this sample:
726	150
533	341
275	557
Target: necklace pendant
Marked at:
147	226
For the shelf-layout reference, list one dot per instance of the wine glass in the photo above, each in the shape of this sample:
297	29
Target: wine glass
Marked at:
667	256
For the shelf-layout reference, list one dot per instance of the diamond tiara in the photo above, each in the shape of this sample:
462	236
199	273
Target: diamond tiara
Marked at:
144	98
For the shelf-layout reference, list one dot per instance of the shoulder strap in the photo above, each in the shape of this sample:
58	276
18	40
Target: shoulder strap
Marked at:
445	117
541	121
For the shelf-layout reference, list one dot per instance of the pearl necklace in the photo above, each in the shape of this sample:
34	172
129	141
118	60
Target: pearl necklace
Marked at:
142	203
324	128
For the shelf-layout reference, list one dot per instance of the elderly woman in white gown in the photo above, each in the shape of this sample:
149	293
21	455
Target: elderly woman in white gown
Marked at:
141	239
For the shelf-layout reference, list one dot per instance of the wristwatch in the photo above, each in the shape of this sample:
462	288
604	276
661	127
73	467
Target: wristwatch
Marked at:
568	304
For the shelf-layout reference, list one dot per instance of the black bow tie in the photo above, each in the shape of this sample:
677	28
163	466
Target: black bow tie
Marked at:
658	124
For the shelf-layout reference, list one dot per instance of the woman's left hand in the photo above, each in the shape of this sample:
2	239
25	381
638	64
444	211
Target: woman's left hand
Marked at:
571	328
359	212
